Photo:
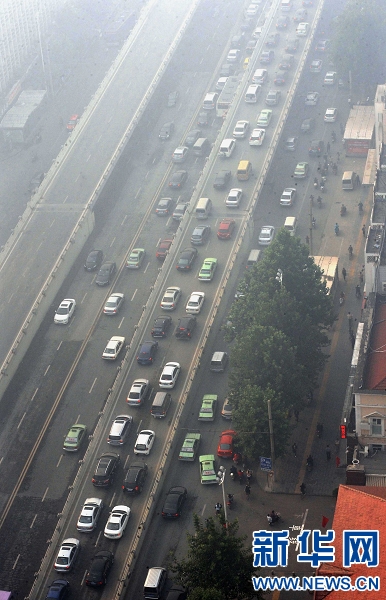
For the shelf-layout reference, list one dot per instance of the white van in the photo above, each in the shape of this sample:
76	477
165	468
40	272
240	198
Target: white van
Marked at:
219	362
290	225
154	583
210	101
348	180
203	208
253	258
286	5
227	147
302	29
252	93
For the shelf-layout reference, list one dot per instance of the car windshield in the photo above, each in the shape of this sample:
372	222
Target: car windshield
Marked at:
62	560
141	446
205	270
85	519
184	261
193	302
206	409
225	446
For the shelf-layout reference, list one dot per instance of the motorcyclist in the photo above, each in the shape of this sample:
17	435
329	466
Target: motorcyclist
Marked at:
316	182
233	472
319	201
310	461
319	427
360	207
230	499
218	507
313	222
342	297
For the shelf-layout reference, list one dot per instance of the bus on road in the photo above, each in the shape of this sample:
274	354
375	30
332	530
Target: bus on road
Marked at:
227	96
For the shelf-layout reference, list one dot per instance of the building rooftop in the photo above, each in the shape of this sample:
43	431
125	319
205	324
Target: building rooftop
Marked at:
360	123
366	506
374	376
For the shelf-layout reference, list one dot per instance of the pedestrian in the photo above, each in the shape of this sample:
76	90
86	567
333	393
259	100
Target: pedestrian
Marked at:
364	230
328	452
337	156
240	474
307	240
344	273
328	147
357	181
247	491
352	339
294	449
337	462
349	318
312	199
296	413
303	489
249	476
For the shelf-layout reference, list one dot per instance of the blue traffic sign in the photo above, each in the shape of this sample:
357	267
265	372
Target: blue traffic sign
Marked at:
265	463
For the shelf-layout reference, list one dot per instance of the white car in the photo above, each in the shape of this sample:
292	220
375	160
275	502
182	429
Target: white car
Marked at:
89	515
195	303
221	83
233	56
116	523
234	198
67	554
65	311
330	78
145	441
288	196
114	304
170	298
113	348
330	115
241	129
252	10
267	234
312	98
169	375
257	137
138	393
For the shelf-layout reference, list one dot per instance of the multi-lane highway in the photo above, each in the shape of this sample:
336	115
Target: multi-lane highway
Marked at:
48	478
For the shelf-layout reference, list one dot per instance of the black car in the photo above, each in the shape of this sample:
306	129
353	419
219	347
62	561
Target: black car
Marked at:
221	179
106	469
186	259
185	327
292	46
203	119
147	353
58	590
161	326
106	273
135	478
166	131
99	568
281	78
251	46
266	57
192	137
200	235
164	207
178	179
94	260
172	99
174	501
272	39
316	148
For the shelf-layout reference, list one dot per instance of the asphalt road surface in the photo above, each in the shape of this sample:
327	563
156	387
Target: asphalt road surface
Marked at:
87	390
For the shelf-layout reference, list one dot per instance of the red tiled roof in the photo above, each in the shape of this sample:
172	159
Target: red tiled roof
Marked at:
357	507
375	372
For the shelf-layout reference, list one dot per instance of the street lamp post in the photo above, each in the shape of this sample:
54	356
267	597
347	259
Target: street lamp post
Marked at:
221	480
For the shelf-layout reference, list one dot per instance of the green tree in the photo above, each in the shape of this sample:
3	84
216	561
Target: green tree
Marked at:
250	420
208	594
357	44
217	559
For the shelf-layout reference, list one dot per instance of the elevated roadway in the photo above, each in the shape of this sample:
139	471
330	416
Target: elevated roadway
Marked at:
59	218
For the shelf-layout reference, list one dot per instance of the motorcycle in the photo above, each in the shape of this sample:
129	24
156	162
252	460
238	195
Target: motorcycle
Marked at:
273	517
319	430
341	298
343	210
336	229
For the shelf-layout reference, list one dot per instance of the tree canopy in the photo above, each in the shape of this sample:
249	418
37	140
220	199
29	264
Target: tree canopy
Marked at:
280	330
217	564
357	44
